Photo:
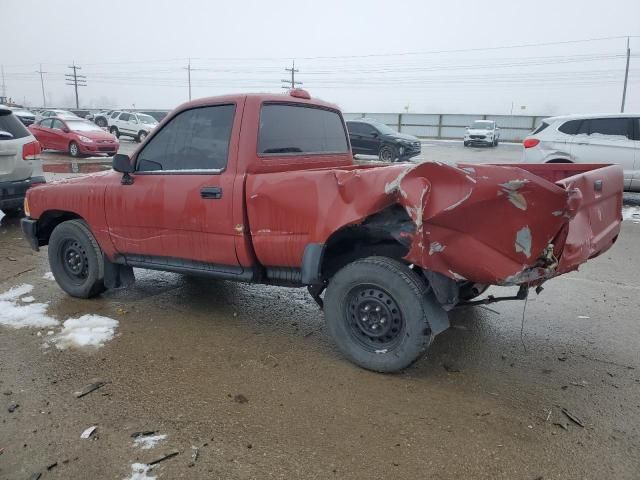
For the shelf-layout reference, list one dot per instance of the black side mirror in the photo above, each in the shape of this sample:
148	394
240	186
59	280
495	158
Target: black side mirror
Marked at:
122	163
65	130
374	135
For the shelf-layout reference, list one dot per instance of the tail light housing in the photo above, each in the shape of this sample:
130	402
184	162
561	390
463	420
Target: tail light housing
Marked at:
30	150
530	142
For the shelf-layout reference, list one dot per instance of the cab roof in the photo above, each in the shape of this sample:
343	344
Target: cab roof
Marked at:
262	97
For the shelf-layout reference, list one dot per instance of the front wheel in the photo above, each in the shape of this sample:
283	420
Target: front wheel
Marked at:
74	150
142	136
495	142
376	312
115	132
101	122
76	259
466	144
387	153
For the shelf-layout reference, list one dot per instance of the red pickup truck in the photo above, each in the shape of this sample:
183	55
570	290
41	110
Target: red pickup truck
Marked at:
263	188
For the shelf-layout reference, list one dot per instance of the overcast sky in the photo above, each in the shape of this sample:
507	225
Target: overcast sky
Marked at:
366	56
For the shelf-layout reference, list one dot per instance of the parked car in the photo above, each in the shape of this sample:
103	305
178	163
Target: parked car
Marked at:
370	137
131	124
86	114
55	113
24	115
101	118
611	138
76	136
157	114
482	132
263	188
20	165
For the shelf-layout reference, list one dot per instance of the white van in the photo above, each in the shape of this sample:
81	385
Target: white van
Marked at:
607	138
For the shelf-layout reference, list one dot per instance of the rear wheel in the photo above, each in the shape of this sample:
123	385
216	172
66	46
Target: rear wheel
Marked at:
101	122
387	153
376	312
74	149
76	259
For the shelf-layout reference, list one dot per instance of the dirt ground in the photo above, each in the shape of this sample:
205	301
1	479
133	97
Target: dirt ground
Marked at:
246	375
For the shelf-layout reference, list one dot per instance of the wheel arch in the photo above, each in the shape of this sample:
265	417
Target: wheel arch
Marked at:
49	220
384	233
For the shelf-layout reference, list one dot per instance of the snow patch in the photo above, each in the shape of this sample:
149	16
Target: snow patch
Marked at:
32	315
149	442
28	299
139	471
86	331
48	276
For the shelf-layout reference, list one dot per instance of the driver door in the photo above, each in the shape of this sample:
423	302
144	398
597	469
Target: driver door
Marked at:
178	210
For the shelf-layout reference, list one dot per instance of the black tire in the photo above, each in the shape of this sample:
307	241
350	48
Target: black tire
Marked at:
115	132
142	135
74	150
101	122
495	142
387	153
466	144
387	293
76	259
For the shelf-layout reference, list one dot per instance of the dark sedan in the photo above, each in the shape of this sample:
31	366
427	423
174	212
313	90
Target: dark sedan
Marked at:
369	137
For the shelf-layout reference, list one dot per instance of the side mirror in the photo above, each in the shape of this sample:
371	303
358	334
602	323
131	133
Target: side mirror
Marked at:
374	135
122	163
65	130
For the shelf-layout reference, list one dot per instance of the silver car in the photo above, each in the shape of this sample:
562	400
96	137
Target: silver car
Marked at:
20	165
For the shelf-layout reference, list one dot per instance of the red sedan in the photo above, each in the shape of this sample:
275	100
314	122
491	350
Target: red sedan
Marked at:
78	137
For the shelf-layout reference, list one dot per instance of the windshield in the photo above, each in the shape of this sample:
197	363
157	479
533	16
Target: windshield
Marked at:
482	125
83	126
142	118
22	112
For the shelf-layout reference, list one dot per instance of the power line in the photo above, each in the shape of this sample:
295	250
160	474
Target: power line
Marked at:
76	80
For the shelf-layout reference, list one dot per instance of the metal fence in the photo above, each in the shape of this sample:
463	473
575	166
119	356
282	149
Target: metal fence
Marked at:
443	125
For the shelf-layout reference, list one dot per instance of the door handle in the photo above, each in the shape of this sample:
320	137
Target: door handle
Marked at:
582	143
213	193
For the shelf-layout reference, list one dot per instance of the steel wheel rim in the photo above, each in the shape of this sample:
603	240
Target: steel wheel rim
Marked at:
74	260
374	318
386	154
74	149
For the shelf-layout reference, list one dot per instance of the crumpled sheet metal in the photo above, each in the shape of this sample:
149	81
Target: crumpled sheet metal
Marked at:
488	224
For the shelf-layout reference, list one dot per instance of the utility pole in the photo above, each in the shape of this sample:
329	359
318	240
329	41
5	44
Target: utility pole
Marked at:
292	83
44	100
626	77
188	68
76	80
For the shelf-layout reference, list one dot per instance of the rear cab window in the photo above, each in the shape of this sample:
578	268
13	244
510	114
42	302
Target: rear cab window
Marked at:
194	141
10	124
295	129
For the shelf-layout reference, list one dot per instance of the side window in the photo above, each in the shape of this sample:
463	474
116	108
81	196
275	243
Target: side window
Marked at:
354	127
57	124
571	127
583	129
611	126
196	139
124	117
296	129
544	125
47	123
115	114
133	119
370	130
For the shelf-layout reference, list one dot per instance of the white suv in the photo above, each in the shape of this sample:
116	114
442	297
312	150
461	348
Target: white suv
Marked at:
131	124
20	165
608	138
